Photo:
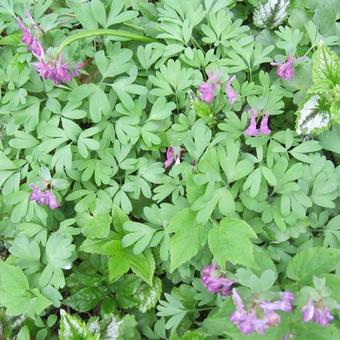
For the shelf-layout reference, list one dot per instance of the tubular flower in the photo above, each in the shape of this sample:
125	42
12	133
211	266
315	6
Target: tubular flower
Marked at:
285	70
248	321
264	129
207	89
320	314
231	94
172	156
215	282
44	197
57	71
252	129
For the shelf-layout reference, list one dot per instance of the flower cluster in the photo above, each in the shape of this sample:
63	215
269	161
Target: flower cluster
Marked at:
55	70
261	315
215	282
318	312
252	129
207	90
44	197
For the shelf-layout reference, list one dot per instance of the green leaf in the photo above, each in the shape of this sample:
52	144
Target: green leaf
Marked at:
15	295
184	227
230	241
326	65
149	296
98	11
96	226
85	299
313	261
72	328
59	250
23	140
98	104
142	265
172	308
139	234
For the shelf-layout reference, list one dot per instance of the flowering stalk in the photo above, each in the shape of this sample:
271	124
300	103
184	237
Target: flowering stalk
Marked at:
102	31
261	315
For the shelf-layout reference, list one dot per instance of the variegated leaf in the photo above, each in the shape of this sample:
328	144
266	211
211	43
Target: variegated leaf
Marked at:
311	120
271	14
326	65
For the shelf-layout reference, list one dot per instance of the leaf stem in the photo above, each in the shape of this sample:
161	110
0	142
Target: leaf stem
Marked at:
104	31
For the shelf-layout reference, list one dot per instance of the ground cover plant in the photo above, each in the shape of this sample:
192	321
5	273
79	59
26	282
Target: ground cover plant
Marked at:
169	169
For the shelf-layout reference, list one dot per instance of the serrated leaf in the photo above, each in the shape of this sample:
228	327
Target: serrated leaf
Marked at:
149	296
326	65
185	227
231	241
313	261
72	328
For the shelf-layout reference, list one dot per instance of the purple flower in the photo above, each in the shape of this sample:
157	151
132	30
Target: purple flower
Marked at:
172	156
56	71
207	89
252	129
246	321
264	129
43	197
215	282
308	311
61	72
319	314
26	33
44	69
36	48
285	70
285	304
52	201
231	94
76	70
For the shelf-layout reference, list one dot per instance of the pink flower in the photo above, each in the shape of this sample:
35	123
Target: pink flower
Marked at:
56	71
248	321
52	201
285	70
320	314
207	89
43	197
36	48
172	156
264	129
285	304
252	129
26	33
231	94
215	282
61	72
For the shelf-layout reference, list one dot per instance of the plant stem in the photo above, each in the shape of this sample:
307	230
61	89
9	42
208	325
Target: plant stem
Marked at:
104	31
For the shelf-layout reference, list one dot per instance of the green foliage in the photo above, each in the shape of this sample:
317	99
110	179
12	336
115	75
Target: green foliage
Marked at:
125	251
